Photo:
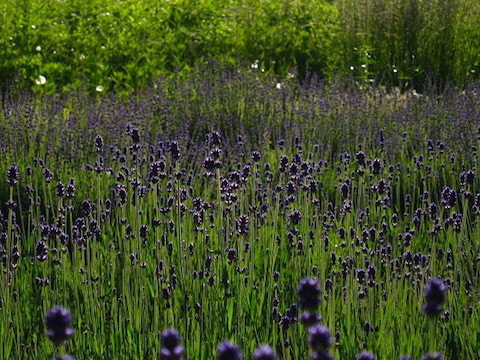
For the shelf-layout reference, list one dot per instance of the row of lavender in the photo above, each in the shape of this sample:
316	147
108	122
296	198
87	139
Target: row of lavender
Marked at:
138	224
58	320
338	115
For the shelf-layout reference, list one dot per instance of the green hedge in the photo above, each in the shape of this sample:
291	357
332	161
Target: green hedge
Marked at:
123	45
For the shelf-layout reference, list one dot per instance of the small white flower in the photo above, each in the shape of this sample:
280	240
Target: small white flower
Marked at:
395	70
99	88
38	48
255	64
415	94
279	85
352	67
82	57
41	80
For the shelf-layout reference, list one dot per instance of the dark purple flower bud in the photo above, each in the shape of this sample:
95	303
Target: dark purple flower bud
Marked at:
41	250
99	143
319	338
174	150
291	188
175	354
243	224
214	137
321	356
312	186
58	318
228	351
171	345
70	190
13	174
435	296
64	357
216	153
376	166
364	355
10	204
209	163
285	322
310	319
48	175
345	189
470	176
432	310
295	216
405	357
60	189
231	254
256	156
430	144
452	199
264	352
360	156
292	312
296	140
432	209
361	274
433	356
57	321
86	207
143	231
135	135
309	293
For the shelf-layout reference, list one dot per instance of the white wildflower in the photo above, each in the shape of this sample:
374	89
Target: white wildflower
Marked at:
41	80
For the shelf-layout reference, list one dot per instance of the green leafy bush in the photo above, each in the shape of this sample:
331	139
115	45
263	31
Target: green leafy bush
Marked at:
123	46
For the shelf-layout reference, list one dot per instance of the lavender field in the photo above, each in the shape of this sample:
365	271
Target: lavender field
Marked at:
211	217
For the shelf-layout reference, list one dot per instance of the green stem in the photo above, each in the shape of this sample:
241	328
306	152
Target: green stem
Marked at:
432	340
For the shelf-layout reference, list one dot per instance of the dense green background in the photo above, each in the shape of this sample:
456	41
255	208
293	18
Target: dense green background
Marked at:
122	45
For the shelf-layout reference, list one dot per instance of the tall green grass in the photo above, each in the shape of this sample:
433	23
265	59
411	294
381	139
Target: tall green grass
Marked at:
405	42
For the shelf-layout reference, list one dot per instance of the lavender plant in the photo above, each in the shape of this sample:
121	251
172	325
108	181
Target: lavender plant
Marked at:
57	322
201	206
